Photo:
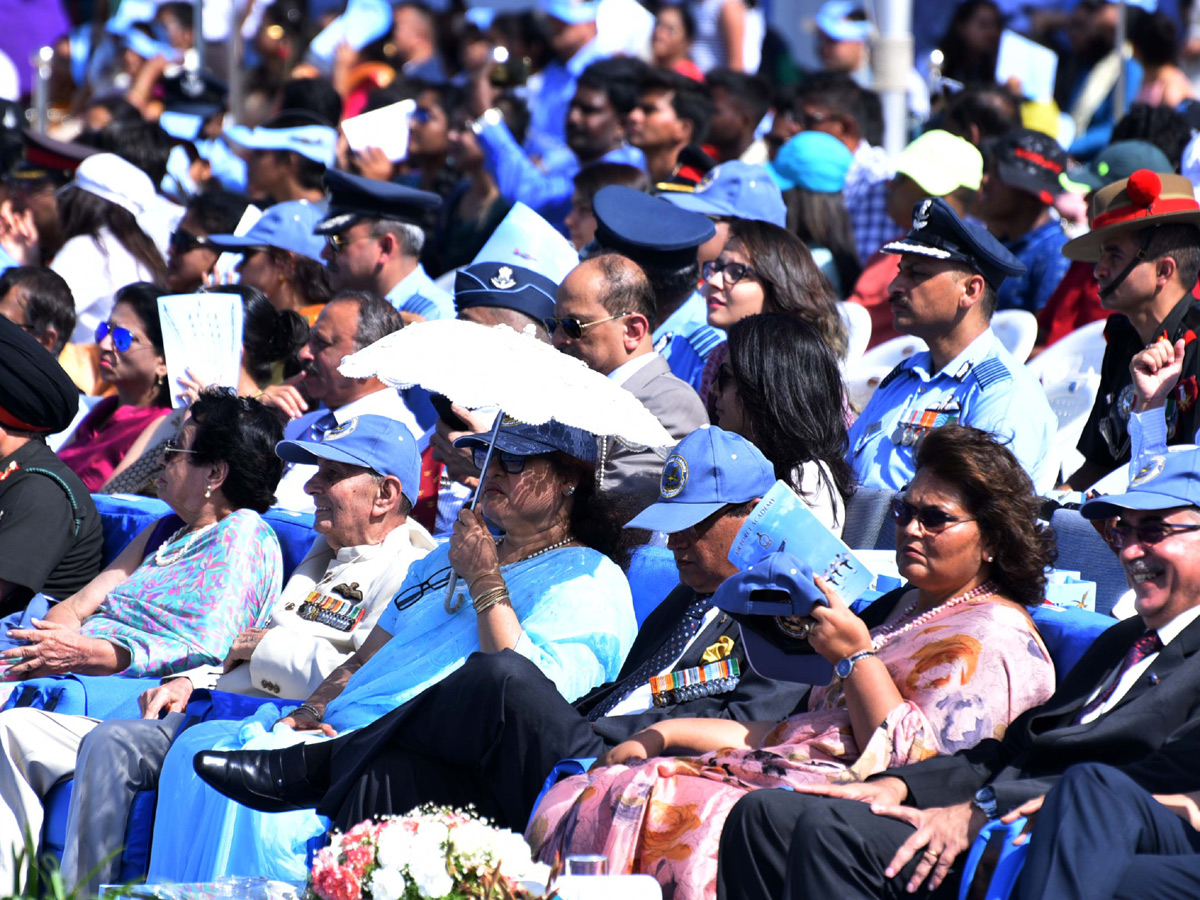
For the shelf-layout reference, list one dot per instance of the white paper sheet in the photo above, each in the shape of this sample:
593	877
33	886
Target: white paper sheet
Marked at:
201	333
227	262
1029	62
385	128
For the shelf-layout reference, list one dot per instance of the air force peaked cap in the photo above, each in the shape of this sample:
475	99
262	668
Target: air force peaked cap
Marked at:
35	393
353	198
507	287
648	230
939	233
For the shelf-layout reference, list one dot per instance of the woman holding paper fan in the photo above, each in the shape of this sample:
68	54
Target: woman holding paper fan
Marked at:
938	665
780	388
132	360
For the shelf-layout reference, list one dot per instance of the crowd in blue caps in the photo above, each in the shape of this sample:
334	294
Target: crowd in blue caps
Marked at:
704	214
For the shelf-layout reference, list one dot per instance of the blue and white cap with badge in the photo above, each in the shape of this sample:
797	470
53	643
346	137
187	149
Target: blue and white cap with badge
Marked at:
378	443
525	239
1163	481
312	141
737	189
709	469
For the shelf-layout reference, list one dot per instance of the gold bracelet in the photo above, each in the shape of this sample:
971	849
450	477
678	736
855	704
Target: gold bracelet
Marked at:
479	578
490	599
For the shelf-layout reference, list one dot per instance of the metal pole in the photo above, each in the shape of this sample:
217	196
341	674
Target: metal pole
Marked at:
236	81
198	34
892	62
1119	99
41	88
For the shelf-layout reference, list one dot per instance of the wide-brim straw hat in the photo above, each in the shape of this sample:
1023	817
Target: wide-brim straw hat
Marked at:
1143	200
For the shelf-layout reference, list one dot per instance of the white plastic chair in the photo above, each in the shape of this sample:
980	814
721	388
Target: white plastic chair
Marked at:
864	376
1071	400
1017	331
858	324
1080	351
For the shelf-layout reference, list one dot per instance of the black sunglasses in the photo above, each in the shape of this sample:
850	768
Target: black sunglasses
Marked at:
733	272
509	462
1146	533
184	241
930	518
172	446
574	328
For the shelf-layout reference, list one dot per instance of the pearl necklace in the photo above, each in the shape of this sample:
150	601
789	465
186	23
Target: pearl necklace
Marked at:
163	558
536	553
889	633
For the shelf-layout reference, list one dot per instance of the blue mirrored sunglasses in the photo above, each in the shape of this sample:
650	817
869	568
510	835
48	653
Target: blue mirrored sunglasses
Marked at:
122	338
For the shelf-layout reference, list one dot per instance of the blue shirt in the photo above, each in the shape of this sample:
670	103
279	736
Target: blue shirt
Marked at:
984	387
1045	266
416	293
550	95
686	339
545	188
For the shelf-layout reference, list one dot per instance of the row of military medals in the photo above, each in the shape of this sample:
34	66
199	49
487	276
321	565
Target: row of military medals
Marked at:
920	422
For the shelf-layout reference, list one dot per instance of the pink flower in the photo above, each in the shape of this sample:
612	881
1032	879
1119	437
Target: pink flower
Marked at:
336	883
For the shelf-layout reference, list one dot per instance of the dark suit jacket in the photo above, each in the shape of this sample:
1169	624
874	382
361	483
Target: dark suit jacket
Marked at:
1152	734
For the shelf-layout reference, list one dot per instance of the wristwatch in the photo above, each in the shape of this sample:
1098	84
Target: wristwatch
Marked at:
845	666
491	116
985	801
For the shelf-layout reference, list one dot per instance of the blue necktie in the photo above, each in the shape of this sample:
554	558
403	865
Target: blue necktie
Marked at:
315	432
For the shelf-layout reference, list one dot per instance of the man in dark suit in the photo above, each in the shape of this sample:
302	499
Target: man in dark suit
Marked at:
489	733
605	316
1131	702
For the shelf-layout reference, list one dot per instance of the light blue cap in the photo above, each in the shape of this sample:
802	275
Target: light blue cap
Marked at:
1163	481
832	20
363	22
315	142
525	239
288	226
378	443
812	160
734	189
573	12
184	126
708	470
147	47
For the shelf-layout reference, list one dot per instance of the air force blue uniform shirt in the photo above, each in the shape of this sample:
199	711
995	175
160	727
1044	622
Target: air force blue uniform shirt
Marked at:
416	293
984	387
686	339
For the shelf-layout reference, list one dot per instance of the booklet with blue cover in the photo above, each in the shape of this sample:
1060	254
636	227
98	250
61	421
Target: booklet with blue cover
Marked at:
782	522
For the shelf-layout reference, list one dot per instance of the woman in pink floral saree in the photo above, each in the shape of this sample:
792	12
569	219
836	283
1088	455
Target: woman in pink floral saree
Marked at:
955	659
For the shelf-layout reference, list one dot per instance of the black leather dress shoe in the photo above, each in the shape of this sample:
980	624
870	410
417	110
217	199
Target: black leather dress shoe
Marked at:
266	780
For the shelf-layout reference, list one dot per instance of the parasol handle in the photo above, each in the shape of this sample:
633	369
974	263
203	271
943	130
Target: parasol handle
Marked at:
451	605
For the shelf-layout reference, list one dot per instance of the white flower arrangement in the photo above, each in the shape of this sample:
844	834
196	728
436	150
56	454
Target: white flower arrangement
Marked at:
430	854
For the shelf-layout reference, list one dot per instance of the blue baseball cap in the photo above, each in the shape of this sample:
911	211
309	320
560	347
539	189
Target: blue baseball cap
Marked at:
573	12
812	160
1164	481
506	287
378	443
833	19
734	189
648	230
353	198
939	233
288	226
778	586
708	470
521	439
315	142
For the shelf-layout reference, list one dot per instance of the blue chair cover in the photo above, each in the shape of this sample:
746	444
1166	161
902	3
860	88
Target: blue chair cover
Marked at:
652	575
1081	548
206	706
564	768
1008	866
1068	632
98	696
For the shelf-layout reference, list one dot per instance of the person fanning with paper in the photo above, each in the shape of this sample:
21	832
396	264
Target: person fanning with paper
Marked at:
930	668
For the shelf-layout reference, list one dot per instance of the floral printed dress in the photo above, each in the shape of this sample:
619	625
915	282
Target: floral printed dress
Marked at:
964	675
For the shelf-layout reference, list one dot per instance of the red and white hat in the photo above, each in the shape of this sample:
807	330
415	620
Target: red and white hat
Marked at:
1143	200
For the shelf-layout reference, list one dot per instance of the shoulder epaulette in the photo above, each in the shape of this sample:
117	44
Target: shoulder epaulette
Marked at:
420	305
989	372
892	375
705	339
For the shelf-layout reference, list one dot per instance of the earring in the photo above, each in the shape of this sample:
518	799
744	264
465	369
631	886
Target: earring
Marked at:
570	490
159	381
208	492
989	558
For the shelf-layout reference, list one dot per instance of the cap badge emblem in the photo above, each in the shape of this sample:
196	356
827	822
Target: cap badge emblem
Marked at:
1151	470
921	219
344	430
503	279
674	477
707	181
191	84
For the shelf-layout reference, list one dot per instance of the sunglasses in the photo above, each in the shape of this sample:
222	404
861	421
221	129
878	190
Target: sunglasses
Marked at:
573	328
1147	533
420	115
172	446
732	271
509	462
184	241
339	242
931	519
122	338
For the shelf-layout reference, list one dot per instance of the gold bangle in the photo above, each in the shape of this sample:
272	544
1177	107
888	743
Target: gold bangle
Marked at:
471	586
490	599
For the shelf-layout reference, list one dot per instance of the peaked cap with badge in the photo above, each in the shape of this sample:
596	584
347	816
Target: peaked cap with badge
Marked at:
354	198
505	286
648	230
939	233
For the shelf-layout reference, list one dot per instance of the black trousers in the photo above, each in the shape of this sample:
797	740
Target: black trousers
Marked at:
782	844
1101	835
488	734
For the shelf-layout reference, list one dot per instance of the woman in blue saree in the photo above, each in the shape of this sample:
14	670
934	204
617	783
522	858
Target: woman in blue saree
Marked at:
545	590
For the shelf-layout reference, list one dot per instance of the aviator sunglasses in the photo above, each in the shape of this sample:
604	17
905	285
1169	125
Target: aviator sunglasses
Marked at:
122	338
573	328
930	518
